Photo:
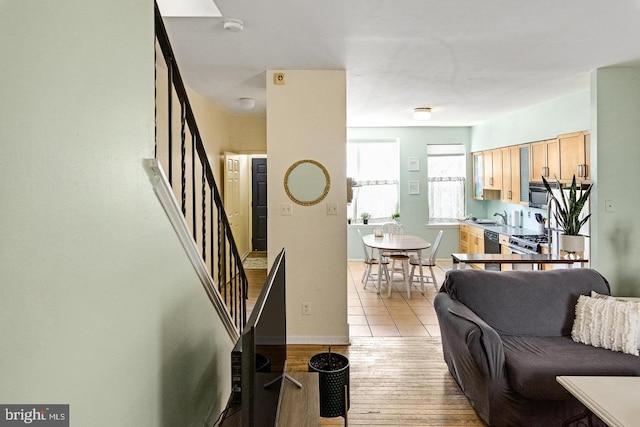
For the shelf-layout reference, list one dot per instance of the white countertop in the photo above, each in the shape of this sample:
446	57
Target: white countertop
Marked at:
503	229
613	399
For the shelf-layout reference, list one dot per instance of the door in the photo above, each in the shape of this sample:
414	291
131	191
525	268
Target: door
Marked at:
259	203
232	192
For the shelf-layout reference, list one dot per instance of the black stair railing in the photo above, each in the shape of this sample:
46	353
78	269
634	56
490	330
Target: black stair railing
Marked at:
195	188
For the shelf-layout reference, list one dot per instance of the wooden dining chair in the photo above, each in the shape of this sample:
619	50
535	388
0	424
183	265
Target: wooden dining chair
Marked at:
426	262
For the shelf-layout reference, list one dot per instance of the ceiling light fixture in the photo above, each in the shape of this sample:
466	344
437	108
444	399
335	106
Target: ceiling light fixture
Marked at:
247	103
233	25
422	113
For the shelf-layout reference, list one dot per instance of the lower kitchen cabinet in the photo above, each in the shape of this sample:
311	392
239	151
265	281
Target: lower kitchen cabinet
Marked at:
464	239
472	241
504	249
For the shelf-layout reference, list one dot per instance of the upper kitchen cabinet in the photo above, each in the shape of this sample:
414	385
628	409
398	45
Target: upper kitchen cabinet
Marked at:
478	180
492	169
574	156
544	160
487	174
511	174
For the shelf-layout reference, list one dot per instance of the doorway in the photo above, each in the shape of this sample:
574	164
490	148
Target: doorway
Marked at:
259	204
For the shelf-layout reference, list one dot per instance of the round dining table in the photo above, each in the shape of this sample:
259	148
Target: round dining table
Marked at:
397	243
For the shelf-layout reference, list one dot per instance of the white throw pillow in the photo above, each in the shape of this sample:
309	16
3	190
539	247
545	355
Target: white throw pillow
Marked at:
607	323
594	294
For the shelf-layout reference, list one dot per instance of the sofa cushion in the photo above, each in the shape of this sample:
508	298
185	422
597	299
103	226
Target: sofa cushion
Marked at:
524	302
618	298
532	364
607	323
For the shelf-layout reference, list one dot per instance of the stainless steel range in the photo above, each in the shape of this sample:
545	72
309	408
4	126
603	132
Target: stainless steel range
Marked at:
527	244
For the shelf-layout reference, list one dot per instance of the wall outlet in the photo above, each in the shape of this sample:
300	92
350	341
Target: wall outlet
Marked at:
609	206
306	309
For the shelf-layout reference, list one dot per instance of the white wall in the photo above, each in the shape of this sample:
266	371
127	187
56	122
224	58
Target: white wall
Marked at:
615	154
100	307
306	119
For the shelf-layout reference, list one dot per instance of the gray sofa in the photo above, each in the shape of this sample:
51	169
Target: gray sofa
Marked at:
507	335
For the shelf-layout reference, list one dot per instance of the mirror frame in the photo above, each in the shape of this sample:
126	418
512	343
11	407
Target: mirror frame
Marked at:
318	199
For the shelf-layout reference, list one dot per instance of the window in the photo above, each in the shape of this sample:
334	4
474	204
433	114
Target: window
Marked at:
445	179
374	167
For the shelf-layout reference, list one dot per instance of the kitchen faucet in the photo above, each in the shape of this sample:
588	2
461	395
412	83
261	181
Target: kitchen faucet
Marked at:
503	216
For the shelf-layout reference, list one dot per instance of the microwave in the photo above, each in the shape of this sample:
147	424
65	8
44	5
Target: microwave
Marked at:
538	195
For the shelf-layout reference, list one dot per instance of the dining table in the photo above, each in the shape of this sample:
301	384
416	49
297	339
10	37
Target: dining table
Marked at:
402	243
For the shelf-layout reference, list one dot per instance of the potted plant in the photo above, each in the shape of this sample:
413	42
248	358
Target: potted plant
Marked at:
349	220
567	215
365	217
333	383
395	216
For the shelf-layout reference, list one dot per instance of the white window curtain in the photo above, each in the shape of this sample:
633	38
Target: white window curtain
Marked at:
374	167
446	170
446	199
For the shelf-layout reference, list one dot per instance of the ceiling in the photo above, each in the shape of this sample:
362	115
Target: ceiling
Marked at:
468	60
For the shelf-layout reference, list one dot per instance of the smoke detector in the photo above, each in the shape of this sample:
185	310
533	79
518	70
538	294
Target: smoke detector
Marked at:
234	25
247	103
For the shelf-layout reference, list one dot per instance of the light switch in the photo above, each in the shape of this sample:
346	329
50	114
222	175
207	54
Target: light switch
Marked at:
332	209
285	209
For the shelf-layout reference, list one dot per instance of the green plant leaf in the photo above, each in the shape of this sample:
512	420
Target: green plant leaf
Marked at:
569	207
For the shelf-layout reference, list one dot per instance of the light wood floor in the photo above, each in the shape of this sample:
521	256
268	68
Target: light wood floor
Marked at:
398	380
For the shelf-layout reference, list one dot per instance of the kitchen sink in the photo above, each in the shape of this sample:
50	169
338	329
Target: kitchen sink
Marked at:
486	221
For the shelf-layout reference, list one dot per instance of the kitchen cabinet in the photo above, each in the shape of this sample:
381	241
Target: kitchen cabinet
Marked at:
471	241
476	240
478	179
544	160
524	174
492	161
484	184
574	156
511	174
504	249
464	239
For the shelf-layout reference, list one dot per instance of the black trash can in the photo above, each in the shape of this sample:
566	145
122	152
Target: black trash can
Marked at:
333	376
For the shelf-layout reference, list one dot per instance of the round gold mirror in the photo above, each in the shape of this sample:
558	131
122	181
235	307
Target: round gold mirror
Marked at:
307	182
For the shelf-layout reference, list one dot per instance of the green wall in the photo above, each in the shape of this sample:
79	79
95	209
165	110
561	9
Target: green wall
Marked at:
101	309
538	122
413	208
615	154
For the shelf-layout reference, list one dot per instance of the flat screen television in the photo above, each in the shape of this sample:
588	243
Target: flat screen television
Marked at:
264	350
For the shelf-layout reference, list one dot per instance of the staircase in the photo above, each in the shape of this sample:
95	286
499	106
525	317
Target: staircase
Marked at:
186	186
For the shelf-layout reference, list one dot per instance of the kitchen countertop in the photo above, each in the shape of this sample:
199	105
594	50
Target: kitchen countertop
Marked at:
503	229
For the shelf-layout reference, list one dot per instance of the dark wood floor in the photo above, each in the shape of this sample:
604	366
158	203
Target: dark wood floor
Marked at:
395	381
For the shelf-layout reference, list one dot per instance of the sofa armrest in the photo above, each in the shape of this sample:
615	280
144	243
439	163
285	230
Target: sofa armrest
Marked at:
460	323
